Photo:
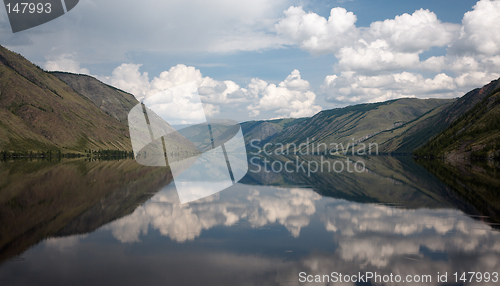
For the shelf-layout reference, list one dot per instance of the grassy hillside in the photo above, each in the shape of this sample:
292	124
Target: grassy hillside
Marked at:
42	111
474	134
409	136
397	126
413	135
38	111
343	125
111	100
265	130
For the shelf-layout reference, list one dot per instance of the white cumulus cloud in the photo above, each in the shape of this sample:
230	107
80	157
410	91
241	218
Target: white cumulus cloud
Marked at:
479	30
416	32
65	63
375	56
291	98
129	78
353	88
316	34
386	59
414	54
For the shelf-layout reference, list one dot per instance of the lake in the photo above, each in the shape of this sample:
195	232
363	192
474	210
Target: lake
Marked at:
76	222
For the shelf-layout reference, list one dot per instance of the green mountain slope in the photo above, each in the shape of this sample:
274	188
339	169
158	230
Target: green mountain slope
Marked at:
265	130
398	126
407	137
474	134
41	111
111	100
353	124
413	135
38	111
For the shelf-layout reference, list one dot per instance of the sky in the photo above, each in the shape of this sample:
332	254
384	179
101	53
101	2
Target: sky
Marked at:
272	59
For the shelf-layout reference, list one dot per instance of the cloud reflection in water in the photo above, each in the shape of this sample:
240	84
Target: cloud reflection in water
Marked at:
359	237
291	208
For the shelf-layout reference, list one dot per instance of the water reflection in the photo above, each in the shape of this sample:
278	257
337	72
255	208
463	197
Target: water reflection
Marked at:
394	218
478	182
41	199
290	208
234	239
416	242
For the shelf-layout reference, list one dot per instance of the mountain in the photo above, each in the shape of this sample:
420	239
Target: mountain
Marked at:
38	111
396	127
474	134
407	137
110	100
266	129
41	111
347	126
412	135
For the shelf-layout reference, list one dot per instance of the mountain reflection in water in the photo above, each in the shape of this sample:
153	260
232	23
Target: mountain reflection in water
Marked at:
395	218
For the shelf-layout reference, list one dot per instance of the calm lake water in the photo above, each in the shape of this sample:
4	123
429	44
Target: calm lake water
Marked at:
117	223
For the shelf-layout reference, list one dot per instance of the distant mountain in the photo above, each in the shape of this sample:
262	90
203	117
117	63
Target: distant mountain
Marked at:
410	136
266	130
38	111
396	127
476	133
347	126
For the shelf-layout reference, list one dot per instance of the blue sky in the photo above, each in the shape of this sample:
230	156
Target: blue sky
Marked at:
269	59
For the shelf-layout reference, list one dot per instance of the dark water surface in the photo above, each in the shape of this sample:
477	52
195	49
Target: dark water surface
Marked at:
117	223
